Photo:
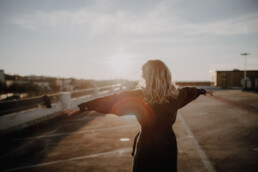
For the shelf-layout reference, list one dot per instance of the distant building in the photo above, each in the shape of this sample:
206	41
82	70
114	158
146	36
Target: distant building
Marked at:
2	81
193	83
2	77
17	82
43	84
35	78
235	78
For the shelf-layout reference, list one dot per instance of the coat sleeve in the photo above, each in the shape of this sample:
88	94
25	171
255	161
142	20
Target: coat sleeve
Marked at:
188	94
105	104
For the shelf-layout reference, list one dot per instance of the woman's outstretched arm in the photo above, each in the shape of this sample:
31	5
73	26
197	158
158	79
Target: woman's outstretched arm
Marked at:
103	104
188	94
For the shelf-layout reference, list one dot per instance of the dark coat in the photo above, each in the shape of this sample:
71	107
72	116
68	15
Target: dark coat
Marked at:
156	147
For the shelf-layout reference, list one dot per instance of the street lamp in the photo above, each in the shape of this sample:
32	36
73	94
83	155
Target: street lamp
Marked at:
245	81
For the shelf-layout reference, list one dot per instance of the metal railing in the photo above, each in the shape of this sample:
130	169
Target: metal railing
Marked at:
7	107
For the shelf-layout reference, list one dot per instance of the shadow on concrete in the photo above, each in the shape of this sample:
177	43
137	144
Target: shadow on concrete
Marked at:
251	90
31	145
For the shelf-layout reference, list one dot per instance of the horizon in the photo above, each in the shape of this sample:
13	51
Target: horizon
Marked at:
105	40
96	79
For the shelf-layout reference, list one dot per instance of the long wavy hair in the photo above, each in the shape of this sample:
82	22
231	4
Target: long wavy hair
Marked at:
157	83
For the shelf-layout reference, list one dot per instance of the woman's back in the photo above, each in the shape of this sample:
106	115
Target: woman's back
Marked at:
156	147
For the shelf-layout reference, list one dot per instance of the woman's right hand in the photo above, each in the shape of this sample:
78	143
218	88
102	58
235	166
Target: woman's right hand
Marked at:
71	111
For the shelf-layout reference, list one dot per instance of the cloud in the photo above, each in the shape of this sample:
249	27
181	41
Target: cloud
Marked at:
62	20
242	25
159	20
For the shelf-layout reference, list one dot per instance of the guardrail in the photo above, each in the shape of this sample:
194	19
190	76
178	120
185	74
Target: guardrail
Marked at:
22	113
7	107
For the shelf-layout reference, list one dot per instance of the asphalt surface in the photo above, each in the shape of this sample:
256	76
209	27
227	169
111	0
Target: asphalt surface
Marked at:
217	133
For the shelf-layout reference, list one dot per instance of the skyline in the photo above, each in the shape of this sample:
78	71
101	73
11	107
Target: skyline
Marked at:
113	39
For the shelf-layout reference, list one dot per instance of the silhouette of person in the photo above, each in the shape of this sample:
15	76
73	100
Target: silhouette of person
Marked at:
155	104
47	101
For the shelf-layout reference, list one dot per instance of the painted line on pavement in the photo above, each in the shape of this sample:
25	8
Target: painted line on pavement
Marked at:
123	150
239	105
77	132
200	151
185	137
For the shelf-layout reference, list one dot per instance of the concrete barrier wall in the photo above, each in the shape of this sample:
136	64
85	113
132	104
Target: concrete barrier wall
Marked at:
22	119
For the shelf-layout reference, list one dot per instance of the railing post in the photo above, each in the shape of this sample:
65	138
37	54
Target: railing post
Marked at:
111	89
129	86
121	88
65	99
96	92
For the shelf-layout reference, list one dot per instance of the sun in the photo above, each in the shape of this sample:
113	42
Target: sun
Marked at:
120	62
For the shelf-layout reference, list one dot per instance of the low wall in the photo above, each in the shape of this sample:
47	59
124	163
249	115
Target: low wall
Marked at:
22	119
195	83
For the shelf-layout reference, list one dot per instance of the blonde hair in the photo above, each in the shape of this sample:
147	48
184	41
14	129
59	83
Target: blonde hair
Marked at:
157	85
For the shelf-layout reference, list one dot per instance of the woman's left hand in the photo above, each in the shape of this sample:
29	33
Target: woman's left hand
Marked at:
209	92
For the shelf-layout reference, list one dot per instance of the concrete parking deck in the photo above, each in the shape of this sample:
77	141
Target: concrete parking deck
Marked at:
213	134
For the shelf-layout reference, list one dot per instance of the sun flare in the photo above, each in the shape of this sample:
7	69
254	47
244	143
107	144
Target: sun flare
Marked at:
120	62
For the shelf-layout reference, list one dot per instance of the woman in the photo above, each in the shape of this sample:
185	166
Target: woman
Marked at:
155	106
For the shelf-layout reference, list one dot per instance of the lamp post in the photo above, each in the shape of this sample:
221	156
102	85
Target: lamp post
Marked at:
245	81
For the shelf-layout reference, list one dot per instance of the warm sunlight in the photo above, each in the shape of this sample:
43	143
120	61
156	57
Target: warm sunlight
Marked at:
121	62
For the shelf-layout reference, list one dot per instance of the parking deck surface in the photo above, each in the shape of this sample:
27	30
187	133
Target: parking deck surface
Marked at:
217	133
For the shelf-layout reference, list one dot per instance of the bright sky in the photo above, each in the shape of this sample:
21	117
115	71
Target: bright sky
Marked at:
107	39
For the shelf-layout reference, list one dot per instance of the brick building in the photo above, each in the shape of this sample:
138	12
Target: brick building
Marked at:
235	78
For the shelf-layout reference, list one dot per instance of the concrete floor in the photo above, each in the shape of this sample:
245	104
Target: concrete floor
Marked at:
217	133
